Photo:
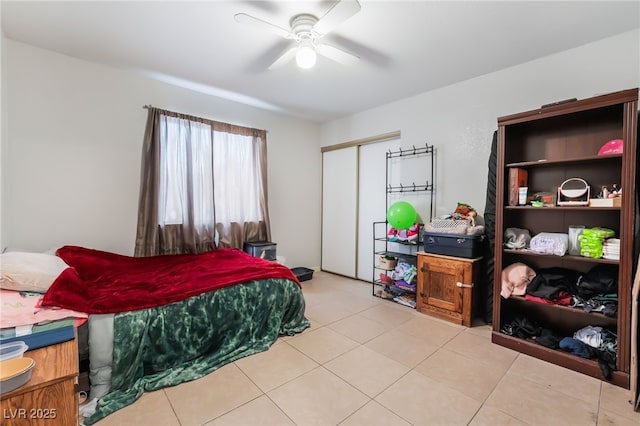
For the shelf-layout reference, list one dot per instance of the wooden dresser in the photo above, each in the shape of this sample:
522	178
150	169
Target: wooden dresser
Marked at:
49	397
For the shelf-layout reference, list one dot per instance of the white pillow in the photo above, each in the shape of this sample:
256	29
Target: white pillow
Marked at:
23	271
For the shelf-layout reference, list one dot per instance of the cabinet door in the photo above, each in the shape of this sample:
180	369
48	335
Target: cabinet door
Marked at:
440	284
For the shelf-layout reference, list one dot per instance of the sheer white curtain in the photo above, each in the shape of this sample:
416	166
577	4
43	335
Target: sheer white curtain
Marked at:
186	174
203	185
238	182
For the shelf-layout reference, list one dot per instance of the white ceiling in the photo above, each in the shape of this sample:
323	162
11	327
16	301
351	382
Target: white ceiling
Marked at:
406	47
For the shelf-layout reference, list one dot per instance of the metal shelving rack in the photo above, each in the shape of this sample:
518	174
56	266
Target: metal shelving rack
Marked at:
404	251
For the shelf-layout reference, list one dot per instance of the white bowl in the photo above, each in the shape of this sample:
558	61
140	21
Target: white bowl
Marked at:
15	373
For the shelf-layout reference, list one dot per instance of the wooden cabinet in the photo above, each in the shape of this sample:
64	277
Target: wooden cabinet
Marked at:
553	144
445	287
49	397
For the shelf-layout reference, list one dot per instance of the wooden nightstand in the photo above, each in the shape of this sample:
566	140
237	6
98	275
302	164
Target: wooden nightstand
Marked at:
49	397
445	286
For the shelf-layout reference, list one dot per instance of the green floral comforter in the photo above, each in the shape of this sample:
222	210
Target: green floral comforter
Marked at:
171	344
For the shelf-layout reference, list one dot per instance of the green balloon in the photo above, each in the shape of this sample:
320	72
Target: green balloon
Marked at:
401	215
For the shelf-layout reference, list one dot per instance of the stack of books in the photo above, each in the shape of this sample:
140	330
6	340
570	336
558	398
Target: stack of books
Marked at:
40	335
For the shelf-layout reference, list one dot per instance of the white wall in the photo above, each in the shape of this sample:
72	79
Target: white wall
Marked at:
72	134
459	120
72	146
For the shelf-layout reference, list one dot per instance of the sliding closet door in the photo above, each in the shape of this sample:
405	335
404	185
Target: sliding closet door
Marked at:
371	199
339	210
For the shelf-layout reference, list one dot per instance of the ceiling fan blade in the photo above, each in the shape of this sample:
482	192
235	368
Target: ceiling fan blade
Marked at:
287	56
340	12
338	55
243	18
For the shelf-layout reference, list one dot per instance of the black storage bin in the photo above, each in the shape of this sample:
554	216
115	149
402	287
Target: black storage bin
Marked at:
458	245
302	273
262	249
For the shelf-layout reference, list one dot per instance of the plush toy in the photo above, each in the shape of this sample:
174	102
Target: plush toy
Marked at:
465	211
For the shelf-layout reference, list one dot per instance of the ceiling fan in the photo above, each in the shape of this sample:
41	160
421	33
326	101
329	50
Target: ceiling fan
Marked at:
306	30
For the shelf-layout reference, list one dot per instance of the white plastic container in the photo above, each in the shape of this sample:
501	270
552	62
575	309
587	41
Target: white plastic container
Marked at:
12	350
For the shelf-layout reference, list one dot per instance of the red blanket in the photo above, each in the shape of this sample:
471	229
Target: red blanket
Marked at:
99	282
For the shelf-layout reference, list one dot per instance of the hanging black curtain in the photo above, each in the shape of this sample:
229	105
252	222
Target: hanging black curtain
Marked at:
485	300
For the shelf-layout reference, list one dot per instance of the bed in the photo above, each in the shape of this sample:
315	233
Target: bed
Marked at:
159	321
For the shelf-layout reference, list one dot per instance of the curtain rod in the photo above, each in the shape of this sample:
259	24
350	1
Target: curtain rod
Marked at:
207	119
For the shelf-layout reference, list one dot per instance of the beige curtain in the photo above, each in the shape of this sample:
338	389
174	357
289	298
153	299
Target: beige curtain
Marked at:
216	175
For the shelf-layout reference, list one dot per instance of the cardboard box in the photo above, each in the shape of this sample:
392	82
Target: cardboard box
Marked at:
517	178
605	202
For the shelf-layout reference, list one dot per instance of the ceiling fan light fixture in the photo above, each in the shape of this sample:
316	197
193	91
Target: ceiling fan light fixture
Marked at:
306	57
306	30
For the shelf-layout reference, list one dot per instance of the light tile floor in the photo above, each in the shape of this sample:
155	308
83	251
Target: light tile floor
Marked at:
366	361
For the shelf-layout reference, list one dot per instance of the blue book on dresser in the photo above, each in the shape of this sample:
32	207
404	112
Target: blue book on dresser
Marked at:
43	334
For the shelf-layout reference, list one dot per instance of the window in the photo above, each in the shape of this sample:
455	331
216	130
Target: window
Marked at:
200	178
